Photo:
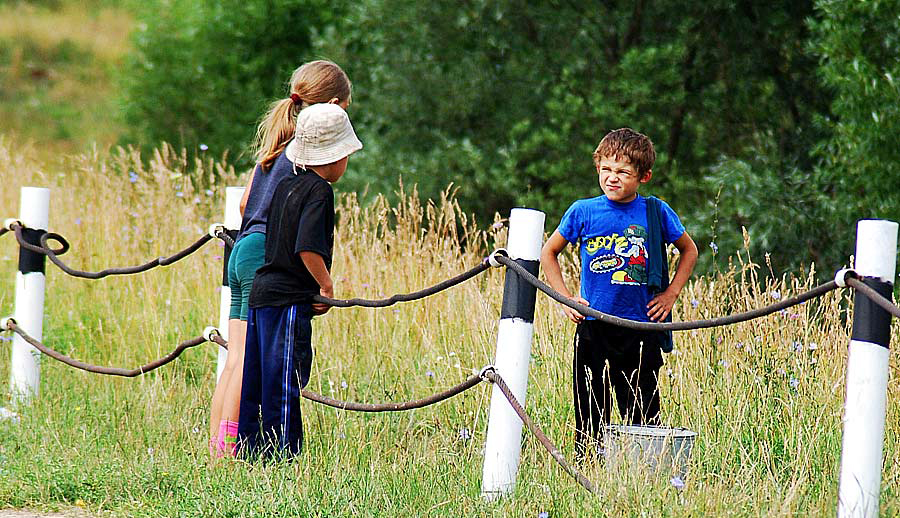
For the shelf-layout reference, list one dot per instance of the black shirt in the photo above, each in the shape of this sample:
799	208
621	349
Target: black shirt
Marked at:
301	219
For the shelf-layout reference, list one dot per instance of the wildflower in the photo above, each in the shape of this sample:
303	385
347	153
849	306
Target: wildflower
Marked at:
739	345
797	346
203	147
342	436
465	434
695	303
429	374
344	384
543	514
794	383
718	339
813	346
677	483
179	194
723	363
209	192
714	247
775	294
497	225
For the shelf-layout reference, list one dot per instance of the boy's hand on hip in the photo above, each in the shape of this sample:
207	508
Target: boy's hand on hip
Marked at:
660	306
321	309
573	314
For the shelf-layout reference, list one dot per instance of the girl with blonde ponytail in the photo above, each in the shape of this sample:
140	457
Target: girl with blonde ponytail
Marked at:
312	83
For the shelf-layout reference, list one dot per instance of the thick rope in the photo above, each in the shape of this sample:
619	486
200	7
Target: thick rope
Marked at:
53	253
496	379
873	295
221	234
665	326
406	297
111	371
394	407
216	338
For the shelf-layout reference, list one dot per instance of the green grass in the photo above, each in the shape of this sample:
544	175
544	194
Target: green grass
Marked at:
56	73
137	447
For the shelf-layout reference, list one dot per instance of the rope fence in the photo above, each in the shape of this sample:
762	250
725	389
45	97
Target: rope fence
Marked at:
489	373
818	291
53	254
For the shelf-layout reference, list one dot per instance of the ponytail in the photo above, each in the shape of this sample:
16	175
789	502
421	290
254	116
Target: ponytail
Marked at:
311	83
275	131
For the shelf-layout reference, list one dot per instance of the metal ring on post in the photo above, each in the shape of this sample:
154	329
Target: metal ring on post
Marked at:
209	332
216	228
4	323
492	259
840	278
484	371
9	222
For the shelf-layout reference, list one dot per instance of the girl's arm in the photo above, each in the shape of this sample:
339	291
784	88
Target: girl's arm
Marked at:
661	305
316	266
246	195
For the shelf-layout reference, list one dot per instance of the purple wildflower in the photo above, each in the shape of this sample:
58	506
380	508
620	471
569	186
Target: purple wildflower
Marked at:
677	483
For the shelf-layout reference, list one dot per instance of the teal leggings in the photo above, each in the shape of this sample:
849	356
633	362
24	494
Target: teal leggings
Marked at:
247	256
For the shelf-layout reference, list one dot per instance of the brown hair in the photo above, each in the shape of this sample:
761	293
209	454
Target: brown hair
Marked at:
629	144
312	83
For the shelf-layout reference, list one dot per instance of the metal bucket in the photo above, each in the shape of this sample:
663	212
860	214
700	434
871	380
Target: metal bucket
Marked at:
664	450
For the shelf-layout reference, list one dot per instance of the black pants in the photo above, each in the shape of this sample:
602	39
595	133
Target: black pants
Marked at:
609	359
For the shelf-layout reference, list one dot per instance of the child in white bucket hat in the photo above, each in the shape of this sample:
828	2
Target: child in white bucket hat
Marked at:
299	247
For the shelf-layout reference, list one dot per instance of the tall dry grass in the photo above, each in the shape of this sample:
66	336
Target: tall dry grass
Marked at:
765	396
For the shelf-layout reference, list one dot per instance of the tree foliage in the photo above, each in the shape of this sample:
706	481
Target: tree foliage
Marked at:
778	118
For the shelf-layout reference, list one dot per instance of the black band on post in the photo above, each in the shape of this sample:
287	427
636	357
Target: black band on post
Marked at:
227	255
31	262
518	295
871	323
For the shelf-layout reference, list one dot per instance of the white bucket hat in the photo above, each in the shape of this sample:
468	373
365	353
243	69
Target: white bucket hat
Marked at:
324	135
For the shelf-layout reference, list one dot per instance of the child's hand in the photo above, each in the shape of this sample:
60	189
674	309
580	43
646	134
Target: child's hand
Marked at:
573	314
321	309
661	305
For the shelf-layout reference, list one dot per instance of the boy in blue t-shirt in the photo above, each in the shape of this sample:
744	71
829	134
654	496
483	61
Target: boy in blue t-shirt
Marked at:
614	235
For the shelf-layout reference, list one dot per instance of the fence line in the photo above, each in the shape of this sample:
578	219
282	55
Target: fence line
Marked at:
666	326
847	277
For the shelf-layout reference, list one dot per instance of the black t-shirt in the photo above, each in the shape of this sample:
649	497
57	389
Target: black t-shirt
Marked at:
301	219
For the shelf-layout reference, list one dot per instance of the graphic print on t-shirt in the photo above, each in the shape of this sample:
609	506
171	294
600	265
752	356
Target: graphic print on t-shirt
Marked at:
628	260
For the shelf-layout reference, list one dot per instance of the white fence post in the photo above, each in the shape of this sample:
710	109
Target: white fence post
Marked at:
232	224
504	434
25	369
867	373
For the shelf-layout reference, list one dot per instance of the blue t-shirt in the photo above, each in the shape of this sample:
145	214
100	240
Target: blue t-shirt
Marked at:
612	240
256	213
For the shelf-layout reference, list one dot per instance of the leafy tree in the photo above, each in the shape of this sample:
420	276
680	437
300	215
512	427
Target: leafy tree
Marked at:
203	72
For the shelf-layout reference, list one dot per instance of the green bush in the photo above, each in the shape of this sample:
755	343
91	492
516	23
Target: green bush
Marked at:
203	72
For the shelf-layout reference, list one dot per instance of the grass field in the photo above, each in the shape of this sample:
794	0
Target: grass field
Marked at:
56	73
765	396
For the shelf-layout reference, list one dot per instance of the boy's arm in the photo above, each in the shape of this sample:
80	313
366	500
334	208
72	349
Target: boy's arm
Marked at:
661	305
316	266
550	265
